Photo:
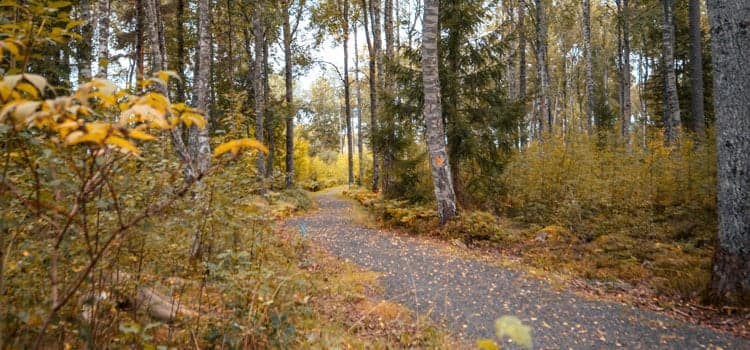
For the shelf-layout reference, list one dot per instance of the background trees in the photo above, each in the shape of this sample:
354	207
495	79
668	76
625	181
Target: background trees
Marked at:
610	137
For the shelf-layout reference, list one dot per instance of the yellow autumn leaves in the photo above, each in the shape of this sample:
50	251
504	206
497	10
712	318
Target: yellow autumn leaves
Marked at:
236	146
99	114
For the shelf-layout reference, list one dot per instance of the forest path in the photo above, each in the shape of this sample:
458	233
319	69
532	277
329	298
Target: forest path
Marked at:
468	295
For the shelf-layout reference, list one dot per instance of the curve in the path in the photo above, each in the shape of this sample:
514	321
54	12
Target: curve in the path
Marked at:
468	295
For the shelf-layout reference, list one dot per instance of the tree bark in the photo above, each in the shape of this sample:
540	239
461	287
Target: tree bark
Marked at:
671	116
257	24
199	141
373	98
545	114
347	97
103	33
269	117
200	148
521	51
83	48
387	93
589	65
625	100
181	50
696	70
359	110
439	164
139	18
377	42
730	39
289	97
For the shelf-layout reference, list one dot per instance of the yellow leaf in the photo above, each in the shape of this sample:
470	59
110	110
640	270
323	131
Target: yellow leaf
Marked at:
12	80
73	137
235	146
66	127
124	144
104	86
156	101
487	344
37	80
12	46
20	109
166	74
28	88
5	91
140	135
190	118
107	100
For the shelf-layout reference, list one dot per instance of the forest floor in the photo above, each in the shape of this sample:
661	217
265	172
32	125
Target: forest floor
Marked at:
466	294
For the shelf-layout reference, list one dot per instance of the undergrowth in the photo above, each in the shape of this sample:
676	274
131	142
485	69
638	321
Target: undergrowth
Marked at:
644	215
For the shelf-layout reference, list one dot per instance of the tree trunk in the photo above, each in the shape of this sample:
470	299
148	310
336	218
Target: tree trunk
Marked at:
387	92
139	18
373	99
545	114
696	70
625	100
200	149
359	110
103	38
521	51
260	163
199	140
289	97
730	39
181	50
83	48
671	116
377	42
589	65
347	97
269	117
439	164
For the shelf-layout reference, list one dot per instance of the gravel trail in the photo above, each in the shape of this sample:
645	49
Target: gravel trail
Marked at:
468	295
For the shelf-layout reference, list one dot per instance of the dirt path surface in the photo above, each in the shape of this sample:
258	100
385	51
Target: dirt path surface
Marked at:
468	295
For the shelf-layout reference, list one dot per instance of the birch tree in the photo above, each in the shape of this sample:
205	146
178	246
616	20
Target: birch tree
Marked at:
439	164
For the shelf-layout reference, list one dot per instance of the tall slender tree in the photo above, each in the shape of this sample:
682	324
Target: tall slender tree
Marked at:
258	35
433	116
289	94
671	116
624	74
521	50
696	70
103	36
730	40
387	94
545	112
83	48
589	64
199	146
373	96
347	94
360	150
